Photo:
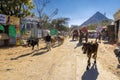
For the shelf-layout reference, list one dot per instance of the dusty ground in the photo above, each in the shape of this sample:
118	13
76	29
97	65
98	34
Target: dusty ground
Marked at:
65	62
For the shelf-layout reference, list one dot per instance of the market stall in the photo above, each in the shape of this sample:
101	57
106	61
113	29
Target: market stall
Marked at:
117	26
9	30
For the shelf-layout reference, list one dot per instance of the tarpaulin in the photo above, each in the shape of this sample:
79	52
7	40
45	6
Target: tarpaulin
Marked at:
53	32
12	31
2	28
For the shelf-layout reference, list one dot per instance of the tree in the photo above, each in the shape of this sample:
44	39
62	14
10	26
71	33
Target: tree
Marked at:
18	8
105	22
43	17
61	23
92	27
117	15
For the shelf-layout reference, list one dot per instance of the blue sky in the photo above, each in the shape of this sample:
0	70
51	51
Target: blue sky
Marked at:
80	10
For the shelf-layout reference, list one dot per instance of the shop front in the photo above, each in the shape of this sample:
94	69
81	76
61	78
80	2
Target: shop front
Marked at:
117	26
9	30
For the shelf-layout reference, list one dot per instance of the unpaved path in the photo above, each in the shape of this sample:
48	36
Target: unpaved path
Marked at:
65	62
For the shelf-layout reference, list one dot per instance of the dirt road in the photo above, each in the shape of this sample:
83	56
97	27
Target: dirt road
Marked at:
65	62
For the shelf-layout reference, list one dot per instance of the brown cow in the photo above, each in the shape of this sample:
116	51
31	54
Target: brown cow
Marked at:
90	48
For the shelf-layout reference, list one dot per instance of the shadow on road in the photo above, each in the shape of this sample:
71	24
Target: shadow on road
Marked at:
91	74
23	55
110	43
43	48
77	45
40	53
27	54
73	40
57	45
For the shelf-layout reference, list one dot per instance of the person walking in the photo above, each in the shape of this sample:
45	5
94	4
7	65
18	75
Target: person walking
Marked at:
80	36
99	37
48	42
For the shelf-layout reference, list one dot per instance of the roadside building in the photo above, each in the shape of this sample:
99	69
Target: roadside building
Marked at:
9	30
117	25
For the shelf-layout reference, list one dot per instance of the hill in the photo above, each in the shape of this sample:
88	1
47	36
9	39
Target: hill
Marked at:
97	18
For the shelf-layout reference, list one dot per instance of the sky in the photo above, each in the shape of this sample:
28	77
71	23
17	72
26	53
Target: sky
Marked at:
80	10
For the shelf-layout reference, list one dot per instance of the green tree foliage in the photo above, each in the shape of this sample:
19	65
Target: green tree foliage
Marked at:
105	22
92	27
61	23
117	15
18	8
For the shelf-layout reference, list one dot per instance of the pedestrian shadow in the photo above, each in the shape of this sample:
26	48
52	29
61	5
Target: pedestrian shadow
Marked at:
77	45
110	43
57	45
73	40
91	74
16	58
40	53
43	48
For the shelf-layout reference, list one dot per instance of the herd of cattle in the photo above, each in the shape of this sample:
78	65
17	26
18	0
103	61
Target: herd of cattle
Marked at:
32	42
89	48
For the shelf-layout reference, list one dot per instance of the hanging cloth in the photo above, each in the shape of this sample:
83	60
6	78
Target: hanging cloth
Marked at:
12	31
2	28
53	32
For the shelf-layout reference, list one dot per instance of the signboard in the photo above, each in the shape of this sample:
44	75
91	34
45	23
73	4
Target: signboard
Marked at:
2	18
30	20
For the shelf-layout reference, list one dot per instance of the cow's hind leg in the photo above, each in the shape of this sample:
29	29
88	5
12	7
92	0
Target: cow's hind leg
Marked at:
95	56
88	64
33	47
38	45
